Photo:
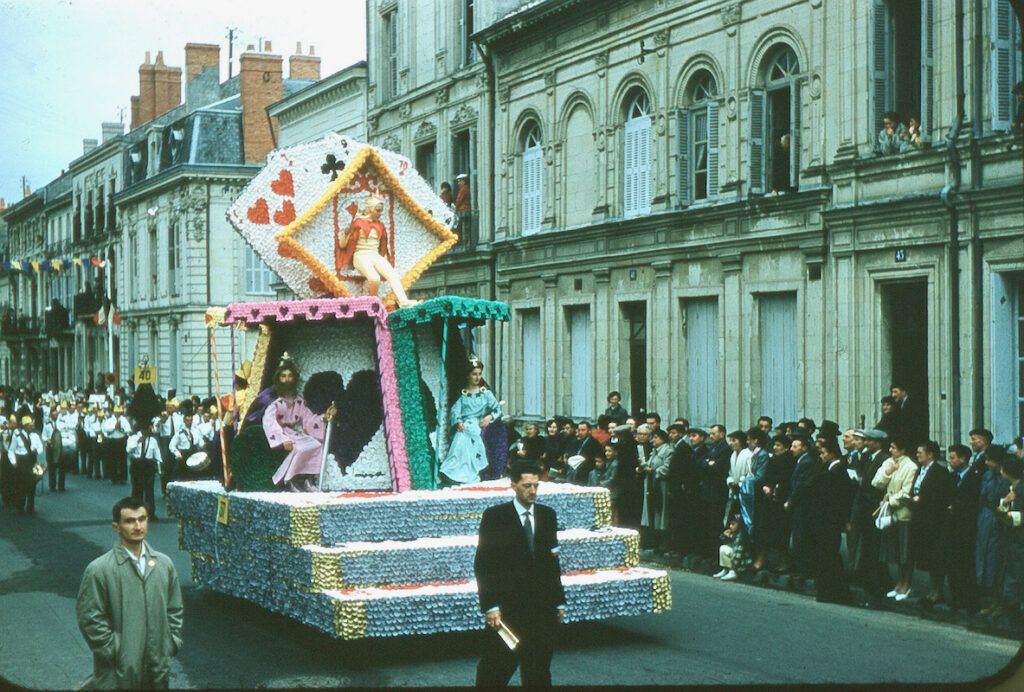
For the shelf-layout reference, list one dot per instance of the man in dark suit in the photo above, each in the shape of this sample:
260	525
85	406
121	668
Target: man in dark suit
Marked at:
829	498
930	498
960	529
807	466
911	417
583	445
519	581
714	490
684	515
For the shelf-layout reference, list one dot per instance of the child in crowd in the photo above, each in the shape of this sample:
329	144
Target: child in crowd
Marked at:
734	553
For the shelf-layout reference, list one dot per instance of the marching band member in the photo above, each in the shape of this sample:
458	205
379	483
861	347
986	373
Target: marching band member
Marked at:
116	429
144	451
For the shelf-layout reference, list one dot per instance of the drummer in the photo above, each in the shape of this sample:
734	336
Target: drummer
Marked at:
186	441
144	452
115	431
209	426
92	425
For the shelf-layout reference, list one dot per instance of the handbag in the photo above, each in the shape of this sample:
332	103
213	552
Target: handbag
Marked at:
883	516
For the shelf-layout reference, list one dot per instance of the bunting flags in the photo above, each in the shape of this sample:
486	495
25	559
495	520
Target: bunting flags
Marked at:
57	264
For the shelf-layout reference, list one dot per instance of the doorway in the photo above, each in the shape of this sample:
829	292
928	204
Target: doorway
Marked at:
634	325
905	338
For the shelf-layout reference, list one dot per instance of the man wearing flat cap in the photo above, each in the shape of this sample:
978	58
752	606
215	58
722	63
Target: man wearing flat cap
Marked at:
865	561
24	451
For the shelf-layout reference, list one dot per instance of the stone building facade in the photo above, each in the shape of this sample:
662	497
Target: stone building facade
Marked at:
686	204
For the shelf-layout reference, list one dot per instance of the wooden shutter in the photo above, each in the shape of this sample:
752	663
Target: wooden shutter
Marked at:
757	129
532	363
702	361
712	150
927	67
1002	65
794	135
778	337
533	160
683	125
581	368
643	167
880	62
629	172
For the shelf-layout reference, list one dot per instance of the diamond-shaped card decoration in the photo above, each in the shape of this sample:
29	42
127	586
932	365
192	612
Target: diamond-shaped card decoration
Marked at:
297	211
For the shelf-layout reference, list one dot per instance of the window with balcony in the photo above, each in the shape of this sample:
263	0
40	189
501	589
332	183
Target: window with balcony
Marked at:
533	181
636	150
698	140
775	111
902	62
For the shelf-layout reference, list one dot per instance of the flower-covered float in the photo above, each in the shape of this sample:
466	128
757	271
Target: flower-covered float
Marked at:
379	550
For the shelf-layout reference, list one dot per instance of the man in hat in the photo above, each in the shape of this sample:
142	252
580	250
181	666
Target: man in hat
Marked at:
865	558
290	425
67	424
116	429
167	425
806	468
23	453
187	441
463	204
54	450
81	438
91	426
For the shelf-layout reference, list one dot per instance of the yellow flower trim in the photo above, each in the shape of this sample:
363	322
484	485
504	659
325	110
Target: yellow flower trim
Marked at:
364	157
326	572
350	619
214	317
305	526
259	366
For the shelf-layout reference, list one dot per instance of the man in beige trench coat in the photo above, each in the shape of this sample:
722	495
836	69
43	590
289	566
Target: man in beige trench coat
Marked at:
129	607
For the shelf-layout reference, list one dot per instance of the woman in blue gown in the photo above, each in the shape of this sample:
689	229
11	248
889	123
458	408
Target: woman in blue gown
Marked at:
473	411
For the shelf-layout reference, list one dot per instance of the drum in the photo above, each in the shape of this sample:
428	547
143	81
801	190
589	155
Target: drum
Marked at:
117	436
197	463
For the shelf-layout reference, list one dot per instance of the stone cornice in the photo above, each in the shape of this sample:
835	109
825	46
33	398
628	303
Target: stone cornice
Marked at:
183	174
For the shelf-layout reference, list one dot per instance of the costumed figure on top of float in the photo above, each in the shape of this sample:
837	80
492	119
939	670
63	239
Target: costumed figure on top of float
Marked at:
366	248
290	425
471	413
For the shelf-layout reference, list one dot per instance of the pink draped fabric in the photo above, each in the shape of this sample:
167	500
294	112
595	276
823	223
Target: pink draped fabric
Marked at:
291	421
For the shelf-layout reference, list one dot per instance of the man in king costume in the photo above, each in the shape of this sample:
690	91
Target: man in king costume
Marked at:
290	425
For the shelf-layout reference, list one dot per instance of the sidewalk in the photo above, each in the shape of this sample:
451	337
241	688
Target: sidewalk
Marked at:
1001	626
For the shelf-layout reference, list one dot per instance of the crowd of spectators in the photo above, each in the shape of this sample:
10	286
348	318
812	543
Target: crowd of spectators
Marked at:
865	506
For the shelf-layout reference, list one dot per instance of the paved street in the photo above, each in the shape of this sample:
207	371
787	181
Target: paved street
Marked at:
716	634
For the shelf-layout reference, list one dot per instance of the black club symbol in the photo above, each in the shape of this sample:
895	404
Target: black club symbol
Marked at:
331	166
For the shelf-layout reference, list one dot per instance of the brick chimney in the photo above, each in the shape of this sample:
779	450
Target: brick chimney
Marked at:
304	66
147	93
135	113
111	130
260	84
167	86
88	145
198	57
3	204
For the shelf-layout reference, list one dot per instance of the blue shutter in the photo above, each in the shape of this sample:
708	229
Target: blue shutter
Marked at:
927	68
712	150
532	363
581	368
702	361
683	125
757	129
880	62
794	135
1002	64
778	336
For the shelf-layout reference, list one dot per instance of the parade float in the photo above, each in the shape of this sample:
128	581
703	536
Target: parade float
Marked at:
379	550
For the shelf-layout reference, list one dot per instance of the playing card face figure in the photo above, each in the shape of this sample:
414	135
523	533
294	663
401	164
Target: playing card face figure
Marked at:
300	211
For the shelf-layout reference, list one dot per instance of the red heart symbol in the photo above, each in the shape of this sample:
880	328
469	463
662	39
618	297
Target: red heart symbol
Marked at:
259	212
285	215
284	184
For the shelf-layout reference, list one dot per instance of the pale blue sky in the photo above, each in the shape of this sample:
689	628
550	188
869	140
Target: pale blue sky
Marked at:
69	65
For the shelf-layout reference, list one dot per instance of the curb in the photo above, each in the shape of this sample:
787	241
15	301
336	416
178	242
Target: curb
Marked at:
1001	626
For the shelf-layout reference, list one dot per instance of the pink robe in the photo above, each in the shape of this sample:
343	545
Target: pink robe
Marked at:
292	421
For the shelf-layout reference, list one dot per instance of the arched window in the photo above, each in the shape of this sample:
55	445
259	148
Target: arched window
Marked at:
533	180
636	189
775	124
698	140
